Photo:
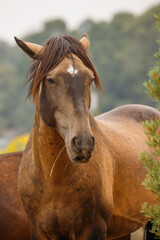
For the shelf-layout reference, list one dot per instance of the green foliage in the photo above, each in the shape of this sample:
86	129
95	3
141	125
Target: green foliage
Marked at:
153	134
150	161
153	212
152	181
153	85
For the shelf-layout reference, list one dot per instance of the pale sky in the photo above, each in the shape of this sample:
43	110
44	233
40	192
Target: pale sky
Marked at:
18	17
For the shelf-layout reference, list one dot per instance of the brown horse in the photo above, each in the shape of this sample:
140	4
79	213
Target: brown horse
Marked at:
80	177
13	222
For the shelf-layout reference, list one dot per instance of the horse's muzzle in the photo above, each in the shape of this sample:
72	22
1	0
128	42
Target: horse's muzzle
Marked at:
82	145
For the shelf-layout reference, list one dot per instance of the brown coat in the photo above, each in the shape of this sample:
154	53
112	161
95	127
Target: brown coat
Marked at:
107	191
13	221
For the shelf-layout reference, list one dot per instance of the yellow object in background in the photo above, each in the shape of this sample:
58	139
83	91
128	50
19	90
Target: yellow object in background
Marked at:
16	144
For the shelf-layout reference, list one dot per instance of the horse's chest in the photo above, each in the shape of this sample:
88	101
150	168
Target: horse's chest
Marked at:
60	210
31	189
71	221
47	221
62	215
65	212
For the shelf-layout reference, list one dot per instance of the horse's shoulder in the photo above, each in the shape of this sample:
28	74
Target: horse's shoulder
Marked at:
136	112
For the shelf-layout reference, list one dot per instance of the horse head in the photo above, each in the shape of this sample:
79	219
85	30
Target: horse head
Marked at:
61	76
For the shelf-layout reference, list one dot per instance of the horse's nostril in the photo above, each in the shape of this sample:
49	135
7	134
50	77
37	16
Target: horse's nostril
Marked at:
80	143
76	143
93	141
73	142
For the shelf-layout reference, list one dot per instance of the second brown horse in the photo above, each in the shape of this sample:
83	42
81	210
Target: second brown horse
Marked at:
13	221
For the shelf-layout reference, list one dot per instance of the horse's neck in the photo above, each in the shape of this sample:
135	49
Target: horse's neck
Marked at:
46	143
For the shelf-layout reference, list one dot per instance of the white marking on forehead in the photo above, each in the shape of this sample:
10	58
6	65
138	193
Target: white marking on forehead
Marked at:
71	70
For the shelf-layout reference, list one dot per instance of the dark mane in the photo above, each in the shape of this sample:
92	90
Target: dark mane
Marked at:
53	52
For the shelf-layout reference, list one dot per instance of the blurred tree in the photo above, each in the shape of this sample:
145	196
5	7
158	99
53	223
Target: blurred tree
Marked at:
55	27
50	28
121	50
8	84
150	161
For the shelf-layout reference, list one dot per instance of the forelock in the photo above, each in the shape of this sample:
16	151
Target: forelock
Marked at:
53	52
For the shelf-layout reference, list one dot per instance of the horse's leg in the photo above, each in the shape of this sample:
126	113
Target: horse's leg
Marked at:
34	235
97	234
127	237
96	231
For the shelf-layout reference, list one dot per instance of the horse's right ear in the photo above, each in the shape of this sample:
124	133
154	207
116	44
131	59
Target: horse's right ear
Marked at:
85	41
31	49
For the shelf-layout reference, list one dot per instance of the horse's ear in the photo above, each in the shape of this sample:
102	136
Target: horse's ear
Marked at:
31	49
85	41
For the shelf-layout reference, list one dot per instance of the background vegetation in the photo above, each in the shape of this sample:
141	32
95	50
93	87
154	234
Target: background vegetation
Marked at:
149	160
121	50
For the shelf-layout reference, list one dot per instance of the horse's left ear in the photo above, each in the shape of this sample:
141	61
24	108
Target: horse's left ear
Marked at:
31	49
85	41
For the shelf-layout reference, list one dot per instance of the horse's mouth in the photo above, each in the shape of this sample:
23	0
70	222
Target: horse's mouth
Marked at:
82	158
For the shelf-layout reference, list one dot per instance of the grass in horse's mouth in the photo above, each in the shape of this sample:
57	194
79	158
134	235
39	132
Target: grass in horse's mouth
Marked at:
54	163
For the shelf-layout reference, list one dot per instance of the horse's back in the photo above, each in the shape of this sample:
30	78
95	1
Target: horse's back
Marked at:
135	112
124	136
13	222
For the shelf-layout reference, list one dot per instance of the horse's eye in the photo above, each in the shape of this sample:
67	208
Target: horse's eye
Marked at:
51	81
